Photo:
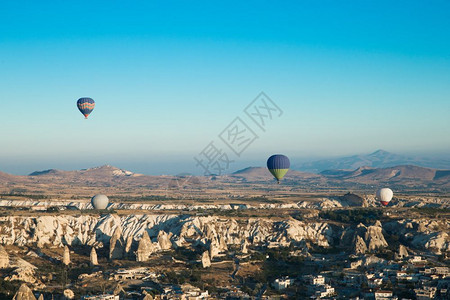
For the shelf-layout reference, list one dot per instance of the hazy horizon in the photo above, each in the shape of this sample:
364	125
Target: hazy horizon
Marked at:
169	78
171	165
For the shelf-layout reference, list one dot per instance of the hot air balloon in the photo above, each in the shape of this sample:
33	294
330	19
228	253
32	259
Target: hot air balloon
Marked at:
99	201
384	195
86	106
278	165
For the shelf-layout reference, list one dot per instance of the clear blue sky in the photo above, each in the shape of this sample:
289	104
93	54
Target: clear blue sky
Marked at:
350	76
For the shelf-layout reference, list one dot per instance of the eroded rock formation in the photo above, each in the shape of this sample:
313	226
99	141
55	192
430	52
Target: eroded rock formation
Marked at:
360	246
24	293
4	258
374	237
221	232
93	258
164	240
145	248
402	252
206	261
66	256
244	246
116	244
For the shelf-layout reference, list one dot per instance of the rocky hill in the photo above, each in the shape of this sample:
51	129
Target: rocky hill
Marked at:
181	230
101	172
172	231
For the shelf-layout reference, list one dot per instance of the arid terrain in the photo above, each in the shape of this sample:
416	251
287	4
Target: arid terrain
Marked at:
249	182
225	237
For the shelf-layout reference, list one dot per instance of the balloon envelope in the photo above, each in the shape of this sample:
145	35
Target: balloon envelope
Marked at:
278	165
100	202
86	106
385	195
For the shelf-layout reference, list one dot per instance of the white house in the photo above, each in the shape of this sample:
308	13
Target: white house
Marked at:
416	259
425	293
317	280
282	283
384	295
324	291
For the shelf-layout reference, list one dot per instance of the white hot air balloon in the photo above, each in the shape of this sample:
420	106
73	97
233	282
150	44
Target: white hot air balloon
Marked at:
99	201
384	195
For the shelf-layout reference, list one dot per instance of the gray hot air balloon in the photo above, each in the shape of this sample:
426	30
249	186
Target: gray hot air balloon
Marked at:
385	195
99	201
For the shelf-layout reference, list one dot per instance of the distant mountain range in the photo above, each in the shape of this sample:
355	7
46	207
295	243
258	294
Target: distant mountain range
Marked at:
377	159
123	182
406	175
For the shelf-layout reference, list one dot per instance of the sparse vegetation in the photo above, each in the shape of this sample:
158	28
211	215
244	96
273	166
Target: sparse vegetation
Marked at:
431	211
8	288
353	216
